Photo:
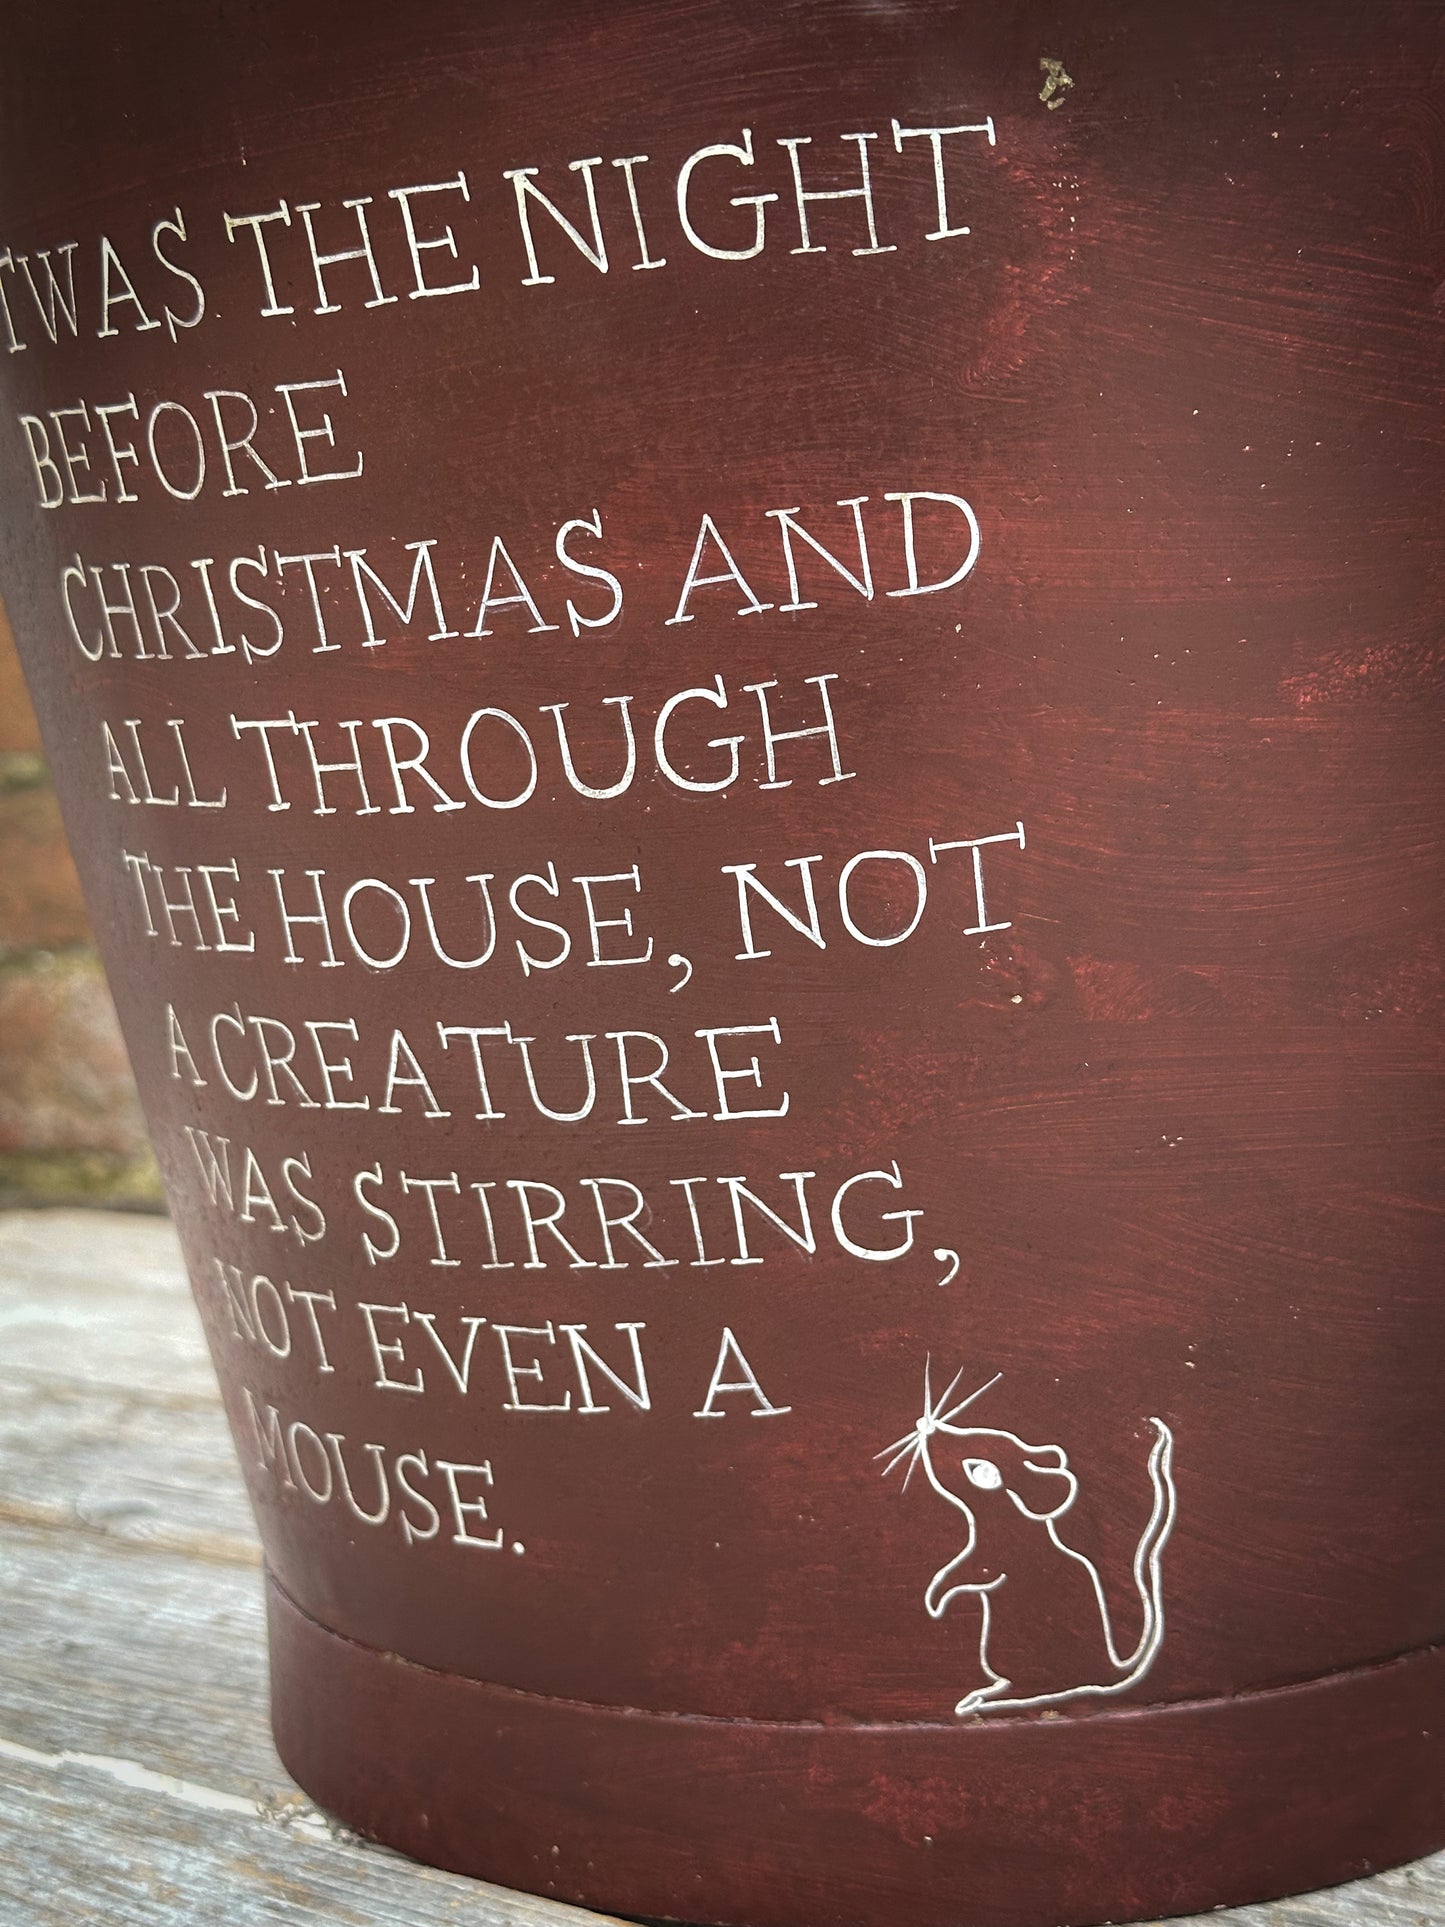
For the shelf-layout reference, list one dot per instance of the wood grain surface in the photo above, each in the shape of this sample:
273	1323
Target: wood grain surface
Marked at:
140	1786
138	1783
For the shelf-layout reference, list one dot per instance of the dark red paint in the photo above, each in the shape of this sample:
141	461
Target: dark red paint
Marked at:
1179	1122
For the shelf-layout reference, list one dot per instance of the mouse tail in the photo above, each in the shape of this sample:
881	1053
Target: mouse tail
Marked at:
1148	1576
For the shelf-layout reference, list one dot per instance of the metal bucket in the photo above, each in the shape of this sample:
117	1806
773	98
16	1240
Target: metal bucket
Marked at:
749	699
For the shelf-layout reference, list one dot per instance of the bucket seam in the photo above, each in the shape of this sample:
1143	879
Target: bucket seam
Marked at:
996	1724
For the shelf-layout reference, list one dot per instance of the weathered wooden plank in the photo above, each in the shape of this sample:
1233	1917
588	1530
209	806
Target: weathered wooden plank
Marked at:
138	1783
123	1467
109	1418
100	1298
107	1649
95	1849
1404	1897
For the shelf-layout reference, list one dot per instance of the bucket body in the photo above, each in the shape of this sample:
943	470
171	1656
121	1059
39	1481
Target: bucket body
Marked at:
749	700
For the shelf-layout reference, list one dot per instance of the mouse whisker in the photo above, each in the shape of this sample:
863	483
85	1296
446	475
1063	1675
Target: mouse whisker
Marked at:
912	1450
949	1417
934	1410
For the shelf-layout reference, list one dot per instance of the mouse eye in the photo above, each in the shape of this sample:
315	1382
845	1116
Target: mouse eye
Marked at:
983	1472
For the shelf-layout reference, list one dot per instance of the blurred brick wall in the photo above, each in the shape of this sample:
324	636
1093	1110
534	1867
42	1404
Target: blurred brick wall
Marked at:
71	1130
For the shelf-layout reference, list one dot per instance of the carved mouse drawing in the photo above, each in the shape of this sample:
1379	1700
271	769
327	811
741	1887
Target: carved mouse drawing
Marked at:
1011	1498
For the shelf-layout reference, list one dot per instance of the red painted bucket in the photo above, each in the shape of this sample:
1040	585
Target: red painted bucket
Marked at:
749	699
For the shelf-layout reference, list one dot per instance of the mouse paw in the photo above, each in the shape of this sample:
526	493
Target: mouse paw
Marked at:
978	1699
